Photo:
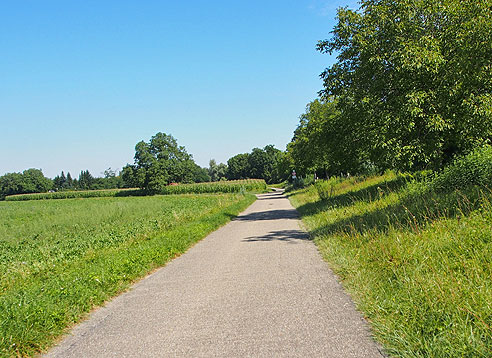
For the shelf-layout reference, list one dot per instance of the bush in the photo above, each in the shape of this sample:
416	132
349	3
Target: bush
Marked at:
472	169
325	188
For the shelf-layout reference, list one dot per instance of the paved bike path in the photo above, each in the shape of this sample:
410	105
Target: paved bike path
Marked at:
256	287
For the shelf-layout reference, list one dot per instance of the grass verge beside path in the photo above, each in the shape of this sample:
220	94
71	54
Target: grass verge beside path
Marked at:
418	264
61	258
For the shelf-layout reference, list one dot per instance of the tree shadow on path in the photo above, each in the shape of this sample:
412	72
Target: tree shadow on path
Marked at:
270	215
290	236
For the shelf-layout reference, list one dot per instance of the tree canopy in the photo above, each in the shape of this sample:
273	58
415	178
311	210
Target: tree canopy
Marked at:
159	162
259	164
412	81
29	181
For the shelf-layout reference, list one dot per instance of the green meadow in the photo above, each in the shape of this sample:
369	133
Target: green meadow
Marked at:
61	258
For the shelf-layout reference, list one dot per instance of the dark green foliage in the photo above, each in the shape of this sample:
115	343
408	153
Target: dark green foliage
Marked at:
217	171
472	169
260	164
324	144
200	175
157	163
413	80
29	181
86	180
59	182
238	167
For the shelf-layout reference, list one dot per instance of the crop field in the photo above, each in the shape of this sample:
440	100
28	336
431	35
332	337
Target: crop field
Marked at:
231	186
76	194
61	258
417	261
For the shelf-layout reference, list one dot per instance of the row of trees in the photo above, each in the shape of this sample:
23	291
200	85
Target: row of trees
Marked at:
268	163
162	161
33	181
29	181
411	88
86	181
157	163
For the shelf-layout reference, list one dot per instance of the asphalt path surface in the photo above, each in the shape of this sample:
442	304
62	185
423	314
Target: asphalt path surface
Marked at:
256	287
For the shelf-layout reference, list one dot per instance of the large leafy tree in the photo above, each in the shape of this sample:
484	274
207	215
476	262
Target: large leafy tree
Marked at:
238	167
29	181
200	175
261	163
413	78
216	171
158	163
323	143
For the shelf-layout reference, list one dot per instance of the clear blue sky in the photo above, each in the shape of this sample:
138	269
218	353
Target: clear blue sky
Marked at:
81	82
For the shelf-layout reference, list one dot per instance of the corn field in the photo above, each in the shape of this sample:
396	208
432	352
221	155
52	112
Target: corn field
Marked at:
232	186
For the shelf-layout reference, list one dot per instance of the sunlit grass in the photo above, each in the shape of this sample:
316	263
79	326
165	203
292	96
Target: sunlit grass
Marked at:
418	264
60	258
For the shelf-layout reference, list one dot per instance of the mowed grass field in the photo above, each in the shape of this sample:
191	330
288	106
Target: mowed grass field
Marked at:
418	263
61	258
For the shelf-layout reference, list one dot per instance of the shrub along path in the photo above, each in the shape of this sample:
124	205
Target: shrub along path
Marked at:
255	287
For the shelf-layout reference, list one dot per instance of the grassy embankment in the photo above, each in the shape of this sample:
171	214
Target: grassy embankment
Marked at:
230	186
416	255
61	258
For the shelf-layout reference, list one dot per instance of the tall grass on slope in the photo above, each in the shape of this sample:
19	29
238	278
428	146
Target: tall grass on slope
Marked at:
417	262
61	258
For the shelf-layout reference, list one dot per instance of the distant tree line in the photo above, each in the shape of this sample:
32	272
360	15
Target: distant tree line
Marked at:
267	163
110	180
161	162
157	163
33	181
29	181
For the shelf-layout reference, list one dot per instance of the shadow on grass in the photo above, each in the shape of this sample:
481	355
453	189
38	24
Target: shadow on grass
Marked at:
410	213
135	192
290	236
367	194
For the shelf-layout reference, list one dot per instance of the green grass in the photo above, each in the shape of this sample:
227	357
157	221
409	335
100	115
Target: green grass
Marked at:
61	258
417	263
281	185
